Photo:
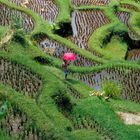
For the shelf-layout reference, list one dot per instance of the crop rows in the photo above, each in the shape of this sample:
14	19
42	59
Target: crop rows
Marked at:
84	23
17	124
56	49
19	78
128	78
87	122
73	92
124	18
133	55
7	16
90	2
45	8
131	7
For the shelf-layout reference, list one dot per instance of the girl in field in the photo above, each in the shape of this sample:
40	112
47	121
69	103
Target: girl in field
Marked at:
65	65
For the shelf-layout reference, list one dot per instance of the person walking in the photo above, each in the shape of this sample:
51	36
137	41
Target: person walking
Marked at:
65	65
67	57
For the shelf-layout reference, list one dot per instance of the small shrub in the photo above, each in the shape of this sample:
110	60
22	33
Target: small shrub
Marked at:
16	23
43	60
63	101
68	128
123	36
64	30
3	109
112	89
39	36
19	36
117	31
115	7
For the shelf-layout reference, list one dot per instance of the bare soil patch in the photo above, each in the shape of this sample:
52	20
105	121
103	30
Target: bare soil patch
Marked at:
130	118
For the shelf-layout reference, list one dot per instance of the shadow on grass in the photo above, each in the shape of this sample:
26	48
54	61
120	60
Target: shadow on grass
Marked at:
72	81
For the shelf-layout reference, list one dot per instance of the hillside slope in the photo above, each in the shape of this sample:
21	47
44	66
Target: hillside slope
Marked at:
37	103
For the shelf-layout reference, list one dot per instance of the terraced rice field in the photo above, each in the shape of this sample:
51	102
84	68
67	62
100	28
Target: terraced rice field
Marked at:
57	50
19	78
124	17
90	2
7	15
84	23
131	7
15	125
45	8
134	55
37	101
119	75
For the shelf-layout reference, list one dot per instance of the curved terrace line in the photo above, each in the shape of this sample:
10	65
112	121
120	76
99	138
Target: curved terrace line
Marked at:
46	9
39	27
19	78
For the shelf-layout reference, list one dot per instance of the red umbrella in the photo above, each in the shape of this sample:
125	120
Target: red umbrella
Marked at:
69	56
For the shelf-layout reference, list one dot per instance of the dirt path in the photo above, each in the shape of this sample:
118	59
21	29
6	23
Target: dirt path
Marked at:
7	38
130	118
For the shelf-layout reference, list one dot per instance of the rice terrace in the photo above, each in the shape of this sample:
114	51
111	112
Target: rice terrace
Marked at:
69	69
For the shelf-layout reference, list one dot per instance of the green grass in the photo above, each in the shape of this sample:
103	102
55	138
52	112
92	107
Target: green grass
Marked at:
44	112
126	106
51	83
87	135
3	136
117	48
25	57
64	10
105	116
79	86
96	39
135	22
3	31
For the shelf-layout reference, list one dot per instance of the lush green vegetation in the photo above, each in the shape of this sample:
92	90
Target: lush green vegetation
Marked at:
69	109
2	31
117	48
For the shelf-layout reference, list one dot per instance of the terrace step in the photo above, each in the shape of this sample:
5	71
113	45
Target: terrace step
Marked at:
73	92
7	15
133	55
19	78
129	6
124	17
45	8
90	2
127	77
84	23
57	50
15	124
88	123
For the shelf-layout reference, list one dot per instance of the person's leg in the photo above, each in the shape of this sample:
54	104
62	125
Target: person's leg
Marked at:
66	73
66	76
